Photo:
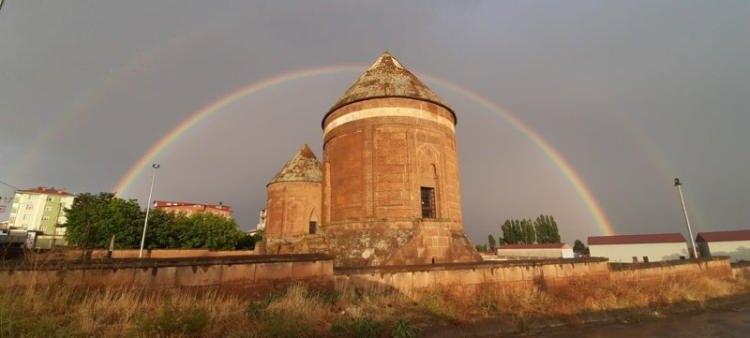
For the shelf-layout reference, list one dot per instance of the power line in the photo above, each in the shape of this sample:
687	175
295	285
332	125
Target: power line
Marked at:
5	183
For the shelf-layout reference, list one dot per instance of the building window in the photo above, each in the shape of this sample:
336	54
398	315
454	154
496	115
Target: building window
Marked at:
313	227
645	259
635	259
428	202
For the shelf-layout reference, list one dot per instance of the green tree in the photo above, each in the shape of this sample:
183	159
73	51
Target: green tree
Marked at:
491	241
546	229
92	220
509	233
579	247
163	232
246	242
207	231
528	232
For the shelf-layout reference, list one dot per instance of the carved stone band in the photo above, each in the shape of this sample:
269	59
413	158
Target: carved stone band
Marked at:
389	112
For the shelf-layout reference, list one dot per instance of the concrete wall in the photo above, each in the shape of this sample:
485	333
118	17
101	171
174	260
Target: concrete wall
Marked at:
716	267
465	278
624	253
256	274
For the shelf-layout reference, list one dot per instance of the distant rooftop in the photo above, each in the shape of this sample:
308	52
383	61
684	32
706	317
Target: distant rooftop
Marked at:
723	236
46	190
302	167
387	78
637	239
534	246
167	204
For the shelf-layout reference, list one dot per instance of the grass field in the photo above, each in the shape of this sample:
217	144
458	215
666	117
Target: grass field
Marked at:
301	312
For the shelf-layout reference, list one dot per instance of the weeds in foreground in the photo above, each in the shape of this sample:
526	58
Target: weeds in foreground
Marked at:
298	311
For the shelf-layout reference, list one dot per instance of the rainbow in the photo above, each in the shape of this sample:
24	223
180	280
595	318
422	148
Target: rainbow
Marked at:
597	212
559	161
198	116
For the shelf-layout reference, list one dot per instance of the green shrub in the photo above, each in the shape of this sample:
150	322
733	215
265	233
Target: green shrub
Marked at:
358	327
171	321
403	329
284	324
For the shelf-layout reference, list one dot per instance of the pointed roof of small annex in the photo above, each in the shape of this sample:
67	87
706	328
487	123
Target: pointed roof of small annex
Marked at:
302	167
387	78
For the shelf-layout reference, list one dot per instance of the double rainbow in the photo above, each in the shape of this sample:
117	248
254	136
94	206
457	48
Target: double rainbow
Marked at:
593	206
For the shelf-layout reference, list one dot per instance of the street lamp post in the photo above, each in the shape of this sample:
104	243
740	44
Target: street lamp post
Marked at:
678	184
155	166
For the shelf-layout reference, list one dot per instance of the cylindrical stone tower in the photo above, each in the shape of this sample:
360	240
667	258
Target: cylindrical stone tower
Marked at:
293	206
391	192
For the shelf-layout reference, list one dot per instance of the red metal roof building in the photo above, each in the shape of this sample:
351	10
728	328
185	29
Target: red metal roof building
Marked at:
535	251
723	236
637	239
194	208
47	191
732	243
639	247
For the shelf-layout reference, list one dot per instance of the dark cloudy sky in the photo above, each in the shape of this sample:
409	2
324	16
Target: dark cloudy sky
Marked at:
631	93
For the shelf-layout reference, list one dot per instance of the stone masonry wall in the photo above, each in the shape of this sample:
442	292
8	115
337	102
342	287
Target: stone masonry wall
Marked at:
375	165
258	275
291	207
717	267
465	278
255	275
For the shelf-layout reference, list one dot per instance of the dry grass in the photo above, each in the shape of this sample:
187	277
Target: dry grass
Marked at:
301	312
582	296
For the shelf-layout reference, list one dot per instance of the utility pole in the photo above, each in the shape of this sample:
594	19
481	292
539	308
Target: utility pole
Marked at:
155	166
678	184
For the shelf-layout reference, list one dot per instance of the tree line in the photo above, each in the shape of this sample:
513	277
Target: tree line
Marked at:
526	231
95	220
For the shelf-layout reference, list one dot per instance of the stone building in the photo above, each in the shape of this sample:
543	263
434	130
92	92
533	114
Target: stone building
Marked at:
293	205
389	191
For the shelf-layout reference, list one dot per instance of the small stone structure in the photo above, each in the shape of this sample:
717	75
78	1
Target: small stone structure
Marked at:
293	206
389	193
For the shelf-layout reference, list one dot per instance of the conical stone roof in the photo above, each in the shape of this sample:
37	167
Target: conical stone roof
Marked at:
387	78
302	167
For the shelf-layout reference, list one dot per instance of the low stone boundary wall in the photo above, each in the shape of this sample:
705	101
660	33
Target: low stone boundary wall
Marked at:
469	277
160	253
716	266
257	273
